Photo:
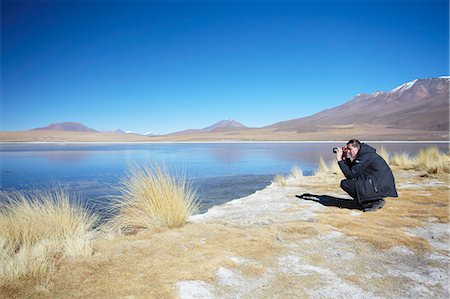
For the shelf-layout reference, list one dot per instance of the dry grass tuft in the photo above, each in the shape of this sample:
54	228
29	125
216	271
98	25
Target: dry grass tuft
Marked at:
432	161
296	173
384	154
280	180
294	178
37	228
429	159
152	199
402	160
327	169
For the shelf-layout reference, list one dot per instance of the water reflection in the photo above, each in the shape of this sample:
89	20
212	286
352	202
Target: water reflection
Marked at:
228	153
63	157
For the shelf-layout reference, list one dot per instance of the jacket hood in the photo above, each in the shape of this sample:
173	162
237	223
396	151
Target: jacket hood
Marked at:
366	149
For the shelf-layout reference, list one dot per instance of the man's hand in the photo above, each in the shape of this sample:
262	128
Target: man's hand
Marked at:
339	154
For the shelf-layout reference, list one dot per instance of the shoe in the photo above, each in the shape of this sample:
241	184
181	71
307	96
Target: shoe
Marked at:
375	206
365	205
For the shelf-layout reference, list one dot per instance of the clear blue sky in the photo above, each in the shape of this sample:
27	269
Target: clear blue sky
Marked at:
173	65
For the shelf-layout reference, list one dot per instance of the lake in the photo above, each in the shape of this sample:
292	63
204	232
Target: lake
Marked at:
219	171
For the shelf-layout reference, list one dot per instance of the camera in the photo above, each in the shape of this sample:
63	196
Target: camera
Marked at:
344	151
345	154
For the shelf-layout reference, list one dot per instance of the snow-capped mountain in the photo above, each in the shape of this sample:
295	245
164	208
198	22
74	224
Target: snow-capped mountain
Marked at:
116	131
119	131
150	133
420	104
404	87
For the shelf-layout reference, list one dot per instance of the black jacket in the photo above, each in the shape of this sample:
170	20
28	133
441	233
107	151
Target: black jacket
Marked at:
374	178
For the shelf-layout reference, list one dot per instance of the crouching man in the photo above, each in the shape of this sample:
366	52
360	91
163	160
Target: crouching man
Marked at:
368	177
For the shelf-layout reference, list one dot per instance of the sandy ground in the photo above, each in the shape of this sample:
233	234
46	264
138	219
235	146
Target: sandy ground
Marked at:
273	244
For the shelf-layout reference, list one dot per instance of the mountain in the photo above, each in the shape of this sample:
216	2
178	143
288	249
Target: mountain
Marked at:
220	126
66	126
115	131
421	104
415	110
150	133
225	124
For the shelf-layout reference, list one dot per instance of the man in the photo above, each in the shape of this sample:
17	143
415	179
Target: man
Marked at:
368	177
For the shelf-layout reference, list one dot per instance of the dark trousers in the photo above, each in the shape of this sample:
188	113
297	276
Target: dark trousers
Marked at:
349	186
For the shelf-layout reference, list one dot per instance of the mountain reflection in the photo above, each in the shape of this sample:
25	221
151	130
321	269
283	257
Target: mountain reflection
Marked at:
64	157
228	153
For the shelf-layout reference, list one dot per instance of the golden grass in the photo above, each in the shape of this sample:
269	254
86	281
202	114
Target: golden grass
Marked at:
384	154
402	160
294	178
327	169
280	180
152	199
430	160
148	265
296	173
37	228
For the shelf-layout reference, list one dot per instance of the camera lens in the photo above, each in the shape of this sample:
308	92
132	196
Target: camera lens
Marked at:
335	150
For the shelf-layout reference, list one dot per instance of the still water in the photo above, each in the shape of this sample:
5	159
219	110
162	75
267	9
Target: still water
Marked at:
219	171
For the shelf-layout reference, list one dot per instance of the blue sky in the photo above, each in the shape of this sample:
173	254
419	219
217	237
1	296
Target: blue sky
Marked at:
173	65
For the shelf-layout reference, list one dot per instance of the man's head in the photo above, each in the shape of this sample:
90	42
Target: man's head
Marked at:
353	146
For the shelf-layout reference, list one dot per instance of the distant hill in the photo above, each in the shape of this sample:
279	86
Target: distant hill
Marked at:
220	126
421	104
66	126
150	133
415	110
225	124
121	132
78	127
115	131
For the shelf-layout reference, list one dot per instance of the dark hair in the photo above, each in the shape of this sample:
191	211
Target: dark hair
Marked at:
354	143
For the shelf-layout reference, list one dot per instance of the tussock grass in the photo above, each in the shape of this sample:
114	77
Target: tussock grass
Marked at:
402	160
328	169
430	160
384	154
152	199
36	229
293	178
280	180
296	173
